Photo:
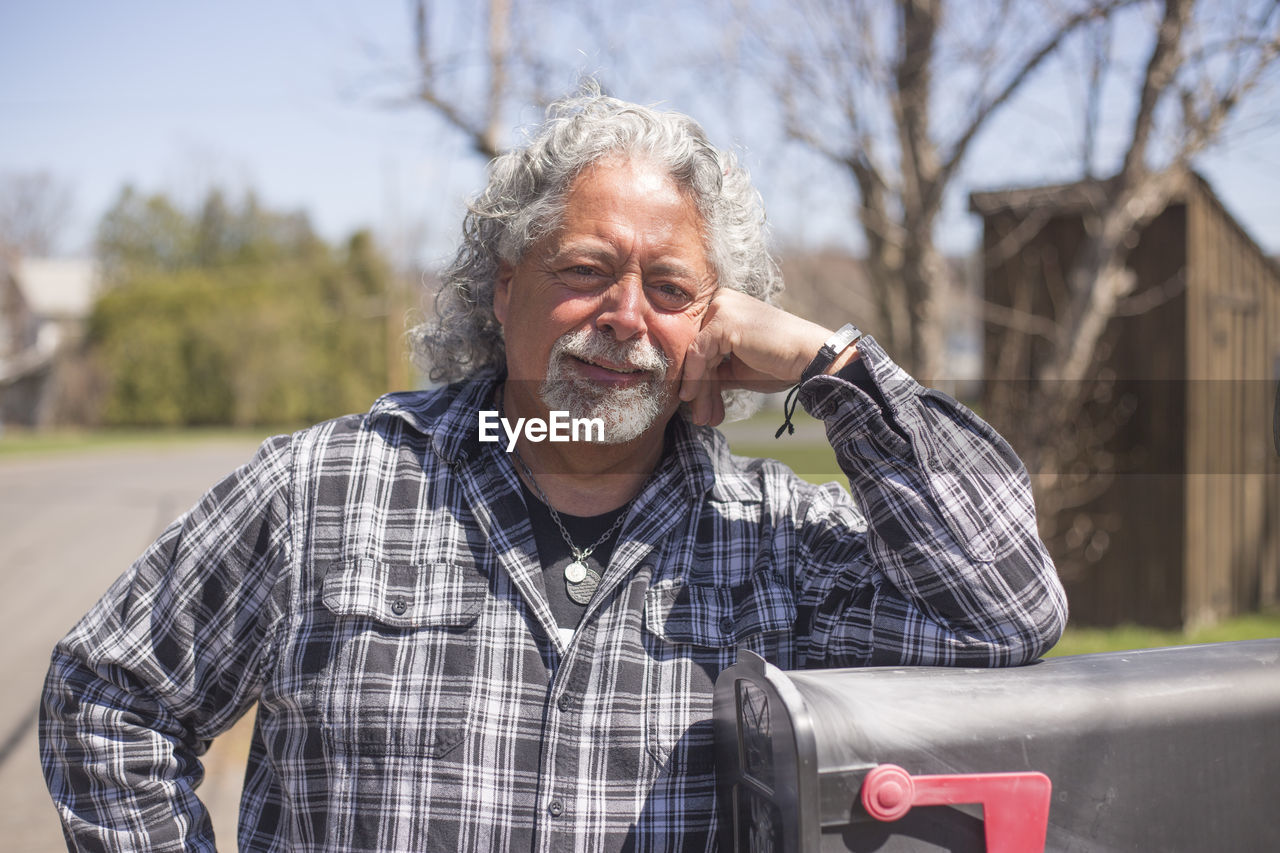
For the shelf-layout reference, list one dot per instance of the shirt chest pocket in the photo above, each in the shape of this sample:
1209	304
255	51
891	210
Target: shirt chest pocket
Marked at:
693	633
404	657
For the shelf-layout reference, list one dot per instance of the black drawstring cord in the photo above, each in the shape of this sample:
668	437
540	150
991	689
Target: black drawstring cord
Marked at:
789	409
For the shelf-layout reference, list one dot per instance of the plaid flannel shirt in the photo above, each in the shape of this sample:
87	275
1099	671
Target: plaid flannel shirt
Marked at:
372	583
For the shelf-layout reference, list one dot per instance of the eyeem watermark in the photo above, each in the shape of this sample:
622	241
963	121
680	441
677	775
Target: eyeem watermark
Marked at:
560	427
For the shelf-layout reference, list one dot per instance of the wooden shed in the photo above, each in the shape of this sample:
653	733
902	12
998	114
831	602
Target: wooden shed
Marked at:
1196	501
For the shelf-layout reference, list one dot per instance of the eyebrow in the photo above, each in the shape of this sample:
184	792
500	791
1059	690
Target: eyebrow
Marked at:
672	269
604	253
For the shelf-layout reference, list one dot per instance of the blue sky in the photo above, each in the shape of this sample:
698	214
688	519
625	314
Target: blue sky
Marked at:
177	96
283	98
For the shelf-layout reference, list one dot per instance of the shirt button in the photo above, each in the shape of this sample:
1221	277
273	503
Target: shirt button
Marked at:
565	702
399	605
555	808
726	625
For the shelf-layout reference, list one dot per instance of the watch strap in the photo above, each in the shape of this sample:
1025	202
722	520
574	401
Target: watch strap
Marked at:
845	337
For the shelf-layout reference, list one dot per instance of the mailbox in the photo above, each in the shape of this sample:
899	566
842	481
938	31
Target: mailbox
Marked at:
1153	750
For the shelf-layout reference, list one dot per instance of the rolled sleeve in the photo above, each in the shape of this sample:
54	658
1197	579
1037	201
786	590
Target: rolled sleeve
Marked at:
954	569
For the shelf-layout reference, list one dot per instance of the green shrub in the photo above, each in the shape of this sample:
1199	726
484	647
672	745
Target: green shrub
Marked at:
235	316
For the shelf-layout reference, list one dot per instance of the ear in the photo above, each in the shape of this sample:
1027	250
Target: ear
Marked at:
502	291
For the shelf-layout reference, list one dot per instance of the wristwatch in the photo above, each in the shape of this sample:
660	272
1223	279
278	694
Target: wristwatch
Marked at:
845	337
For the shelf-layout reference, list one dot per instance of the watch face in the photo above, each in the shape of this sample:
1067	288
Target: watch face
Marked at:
841	339
835	345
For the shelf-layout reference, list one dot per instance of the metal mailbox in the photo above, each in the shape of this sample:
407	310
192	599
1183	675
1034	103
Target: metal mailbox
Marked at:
1155	750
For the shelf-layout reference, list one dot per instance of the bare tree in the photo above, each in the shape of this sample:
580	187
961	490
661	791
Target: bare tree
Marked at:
477	65
1203	63
1208	81
437	89
34	209
895	93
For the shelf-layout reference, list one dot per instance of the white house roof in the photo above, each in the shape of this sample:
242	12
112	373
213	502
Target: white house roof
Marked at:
58	288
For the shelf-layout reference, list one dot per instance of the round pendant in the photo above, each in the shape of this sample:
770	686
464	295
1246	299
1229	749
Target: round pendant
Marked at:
575	572
581	592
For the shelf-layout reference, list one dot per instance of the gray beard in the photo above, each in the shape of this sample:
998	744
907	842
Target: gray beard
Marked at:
627	412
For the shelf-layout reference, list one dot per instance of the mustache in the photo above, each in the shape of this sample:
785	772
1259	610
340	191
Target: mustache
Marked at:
593	346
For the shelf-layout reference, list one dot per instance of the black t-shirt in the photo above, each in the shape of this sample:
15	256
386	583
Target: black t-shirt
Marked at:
554	553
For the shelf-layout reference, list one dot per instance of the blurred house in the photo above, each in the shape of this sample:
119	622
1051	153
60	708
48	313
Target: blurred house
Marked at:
44	303
1195	490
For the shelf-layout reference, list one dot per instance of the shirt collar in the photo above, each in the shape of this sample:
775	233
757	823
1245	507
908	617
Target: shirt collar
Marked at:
447	415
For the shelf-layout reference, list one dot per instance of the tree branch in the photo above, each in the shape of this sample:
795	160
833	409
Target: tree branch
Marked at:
1026	322
1161	70
1047	48
499	48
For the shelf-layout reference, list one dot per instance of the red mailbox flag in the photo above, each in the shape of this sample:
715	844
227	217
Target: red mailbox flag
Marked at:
1015	806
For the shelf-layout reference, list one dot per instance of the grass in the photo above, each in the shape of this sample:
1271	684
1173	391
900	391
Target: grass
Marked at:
1083	641
807	452
15	443
814	463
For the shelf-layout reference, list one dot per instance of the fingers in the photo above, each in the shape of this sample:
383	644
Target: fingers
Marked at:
709	347
705	353
699	386
709	368
715	412
744	343
706	401
769	346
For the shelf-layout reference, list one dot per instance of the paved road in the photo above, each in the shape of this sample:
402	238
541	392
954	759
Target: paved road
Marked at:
69	525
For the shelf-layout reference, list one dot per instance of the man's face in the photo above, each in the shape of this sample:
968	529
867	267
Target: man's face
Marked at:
598	315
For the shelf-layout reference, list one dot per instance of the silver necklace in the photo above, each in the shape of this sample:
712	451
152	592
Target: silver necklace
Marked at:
580	579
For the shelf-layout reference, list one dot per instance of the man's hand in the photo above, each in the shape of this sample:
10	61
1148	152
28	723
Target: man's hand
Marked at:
746	343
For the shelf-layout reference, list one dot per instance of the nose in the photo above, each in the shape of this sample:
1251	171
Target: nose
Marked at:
622	310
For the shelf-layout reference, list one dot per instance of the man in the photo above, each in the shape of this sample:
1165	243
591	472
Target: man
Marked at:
462	635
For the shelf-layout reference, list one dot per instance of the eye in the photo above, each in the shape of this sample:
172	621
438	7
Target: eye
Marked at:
671	297
582	277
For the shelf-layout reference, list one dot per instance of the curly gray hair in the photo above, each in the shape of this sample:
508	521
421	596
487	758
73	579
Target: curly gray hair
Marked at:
525	197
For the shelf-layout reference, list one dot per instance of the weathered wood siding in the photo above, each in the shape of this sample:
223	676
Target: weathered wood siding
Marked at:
1193	512
1232	527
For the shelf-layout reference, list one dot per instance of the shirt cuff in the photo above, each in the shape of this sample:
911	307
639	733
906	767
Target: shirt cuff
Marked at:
857	373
